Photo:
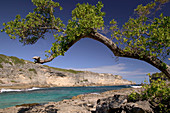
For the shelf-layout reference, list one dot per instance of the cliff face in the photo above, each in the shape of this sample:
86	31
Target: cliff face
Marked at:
14	71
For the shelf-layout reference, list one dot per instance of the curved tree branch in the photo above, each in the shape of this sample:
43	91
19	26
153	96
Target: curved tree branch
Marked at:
117	52
41	61
121	53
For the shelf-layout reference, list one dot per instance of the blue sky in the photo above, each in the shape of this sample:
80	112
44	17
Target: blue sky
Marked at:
86	54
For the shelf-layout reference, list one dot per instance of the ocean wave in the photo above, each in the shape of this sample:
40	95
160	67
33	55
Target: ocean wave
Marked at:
34	88
18	90
136	86
95	93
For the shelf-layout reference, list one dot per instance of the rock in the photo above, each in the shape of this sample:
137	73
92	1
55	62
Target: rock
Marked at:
36	57
138	107
119	104
111	104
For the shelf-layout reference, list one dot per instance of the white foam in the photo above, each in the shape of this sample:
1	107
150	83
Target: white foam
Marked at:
9	90
95	93
136	86
34	88
18	90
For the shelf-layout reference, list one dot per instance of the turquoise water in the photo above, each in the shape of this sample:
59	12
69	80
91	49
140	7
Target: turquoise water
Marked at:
8	99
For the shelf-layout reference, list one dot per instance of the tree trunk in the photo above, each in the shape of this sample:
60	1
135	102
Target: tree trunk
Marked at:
119	52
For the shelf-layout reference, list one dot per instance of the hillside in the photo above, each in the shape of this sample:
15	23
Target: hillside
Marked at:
15	72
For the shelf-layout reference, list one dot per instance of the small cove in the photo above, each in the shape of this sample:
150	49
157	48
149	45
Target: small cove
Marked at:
45	95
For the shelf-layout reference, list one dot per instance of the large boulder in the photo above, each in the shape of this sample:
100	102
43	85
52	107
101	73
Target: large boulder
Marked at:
119	104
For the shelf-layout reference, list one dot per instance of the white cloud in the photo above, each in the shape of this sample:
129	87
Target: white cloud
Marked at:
118	69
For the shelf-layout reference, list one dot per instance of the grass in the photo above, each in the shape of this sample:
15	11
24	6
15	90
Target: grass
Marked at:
85	80
13	81
64	70
116	75
33	70
1	66
3	56
20	70
15	60
4	59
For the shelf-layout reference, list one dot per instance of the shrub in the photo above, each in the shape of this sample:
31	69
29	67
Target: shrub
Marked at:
1	66
17	60
4	59
85	80
13	81
157	92
33	70
64	70
156	76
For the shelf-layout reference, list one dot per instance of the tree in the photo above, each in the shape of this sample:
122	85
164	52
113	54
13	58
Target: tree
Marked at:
145	37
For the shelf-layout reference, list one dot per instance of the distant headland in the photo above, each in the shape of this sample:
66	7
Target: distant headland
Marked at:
20	74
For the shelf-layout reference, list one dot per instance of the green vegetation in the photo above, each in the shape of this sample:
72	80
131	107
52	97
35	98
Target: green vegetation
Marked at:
4	59
158	75
116	76
64	70
13	81
158	92
1	66
20	70
16	60
33	70
145	37
11	60
85	80
3	56
131	81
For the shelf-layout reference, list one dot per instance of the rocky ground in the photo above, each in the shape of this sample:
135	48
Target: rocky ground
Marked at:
107	102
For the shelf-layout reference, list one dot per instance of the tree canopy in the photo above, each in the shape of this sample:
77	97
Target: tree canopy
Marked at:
145	37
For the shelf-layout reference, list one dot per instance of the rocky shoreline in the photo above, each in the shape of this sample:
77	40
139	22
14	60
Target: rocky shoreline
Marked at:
85	103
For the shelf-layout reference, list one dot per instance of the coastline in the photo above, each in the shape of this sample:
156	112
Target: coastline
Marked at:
26	86
22	86
26	74
84	103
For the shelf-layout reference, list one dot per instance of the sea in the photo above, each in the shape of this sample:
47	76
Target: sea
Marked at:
10	97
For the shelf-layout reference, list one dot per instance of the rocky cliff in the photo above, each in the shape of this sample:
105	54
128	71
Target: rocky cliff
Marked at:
19	72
